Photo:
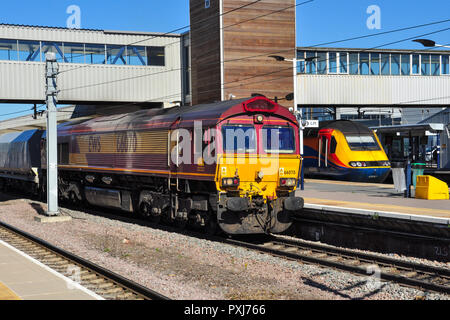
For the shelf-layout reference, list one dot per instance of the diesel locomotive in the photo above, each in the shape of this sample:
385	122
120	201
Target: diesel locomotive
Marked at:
344	150
233	164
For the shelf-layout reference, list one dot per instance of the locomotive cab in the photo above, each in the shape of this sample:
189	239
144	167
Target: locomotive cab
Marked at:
257	170
345	150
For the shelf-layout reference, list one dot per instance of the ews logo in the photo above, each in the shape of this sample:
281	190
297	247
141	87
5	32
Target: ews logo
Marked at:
126	142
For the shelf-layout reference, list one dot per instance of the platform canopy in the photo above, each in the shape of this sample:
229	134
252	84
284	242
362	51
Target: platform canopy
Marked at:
413	129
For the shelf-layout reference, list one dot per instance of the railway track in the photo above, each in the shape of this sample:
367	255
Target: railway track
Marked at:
101	281
415	275
411	274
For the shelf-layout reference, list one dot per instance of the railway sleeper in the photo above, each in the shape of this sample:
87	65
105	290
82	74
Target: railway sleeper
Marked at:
113	290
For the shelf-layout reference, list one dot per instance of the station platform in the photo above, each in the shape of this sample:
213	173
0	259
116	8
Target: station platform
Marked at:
370	199
24	278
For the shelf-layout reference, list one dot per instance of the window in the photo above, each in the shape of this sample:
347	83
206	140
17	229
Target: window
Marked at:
354	63
95	54
343	62
8	50
74	52
116	54
156	56
29	50
278	139
415	64
426	68
311	65
332	60
239	138
435	65
55	47
136	56
385	64
406	64
321	62
445	64
333	145
364	63
63	153
395	64
301	62
361	143
375	63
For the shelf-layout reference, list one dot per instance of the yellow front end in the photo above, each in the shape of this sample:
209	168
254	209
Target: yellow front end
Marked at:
258	175
255	193
347	155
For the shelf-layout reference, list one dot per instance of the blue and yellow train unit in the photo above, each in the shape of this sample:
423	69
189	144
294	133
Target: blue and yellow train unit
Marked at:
344	150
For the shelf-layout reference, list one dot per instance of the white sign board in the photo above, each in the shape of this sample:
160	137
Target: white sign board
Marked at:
310	123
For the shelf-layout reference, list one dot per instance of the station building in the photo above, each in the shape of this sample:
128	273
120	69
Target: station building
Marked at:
375	85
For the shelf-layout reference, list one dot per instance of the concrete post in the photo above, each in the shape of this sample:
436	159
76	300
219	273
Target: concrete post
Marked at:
51	72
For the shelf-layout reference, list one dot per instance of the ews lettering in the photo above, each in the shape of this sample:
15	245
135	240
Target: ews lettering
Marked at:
126	142
94	144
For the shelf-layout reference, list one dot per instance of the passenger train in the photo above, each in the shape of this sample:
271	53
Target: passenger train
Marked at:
233	164
344	150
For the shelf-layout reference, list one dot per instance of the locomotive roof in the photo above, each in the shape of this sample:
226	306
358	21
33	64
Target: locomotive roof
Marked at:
210	112
346	127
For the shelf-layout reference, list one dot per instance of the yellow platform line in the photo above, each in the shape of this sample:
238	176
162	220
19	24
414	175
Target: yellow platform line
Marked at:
350	183
381	207
7	294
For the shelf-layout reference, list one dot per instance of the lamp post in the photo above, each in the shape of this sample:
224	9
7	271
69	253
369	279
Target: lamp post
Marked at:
430	43
298	113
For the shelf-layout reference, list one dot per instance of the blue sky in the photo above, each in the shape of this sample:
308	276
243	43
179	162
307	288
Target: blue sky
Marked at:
318	22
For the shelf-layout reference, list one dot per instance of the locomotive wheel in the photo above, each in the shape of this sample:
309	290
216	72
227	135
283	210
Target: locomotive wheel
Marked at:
180	224
74	199
155	219
211	226
145	211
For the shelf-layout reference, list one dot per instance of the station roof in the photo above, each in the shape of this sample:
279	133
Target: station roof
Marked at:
131	33
400	51
414	129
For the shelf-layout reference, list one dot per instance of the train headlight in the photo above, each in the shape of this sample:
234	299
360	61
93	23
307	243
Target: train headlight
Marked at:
288	182
358	164
386	164
230	182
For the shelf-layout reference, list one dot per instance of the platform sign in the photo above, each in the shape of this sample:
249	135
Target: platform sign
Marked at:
310	123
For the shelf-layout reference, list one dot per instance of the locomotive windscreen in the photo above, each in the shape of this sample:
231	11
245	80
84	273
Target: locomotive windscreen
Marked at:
362	143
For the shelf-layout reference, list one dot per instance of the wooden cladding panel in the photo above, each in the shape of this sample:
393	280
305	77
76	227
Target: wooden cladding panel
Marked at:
257	31
205	51
260	30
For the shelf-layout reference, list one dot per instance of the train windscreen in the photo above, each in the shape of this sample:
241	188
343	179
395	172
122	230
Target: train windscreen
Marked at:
278	139
239	138
362	143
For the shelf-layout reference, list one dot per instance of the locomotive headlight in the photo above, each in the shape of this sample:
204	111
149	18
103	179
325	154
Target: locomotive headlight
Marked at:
386	164
259	118
230	182
287	182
